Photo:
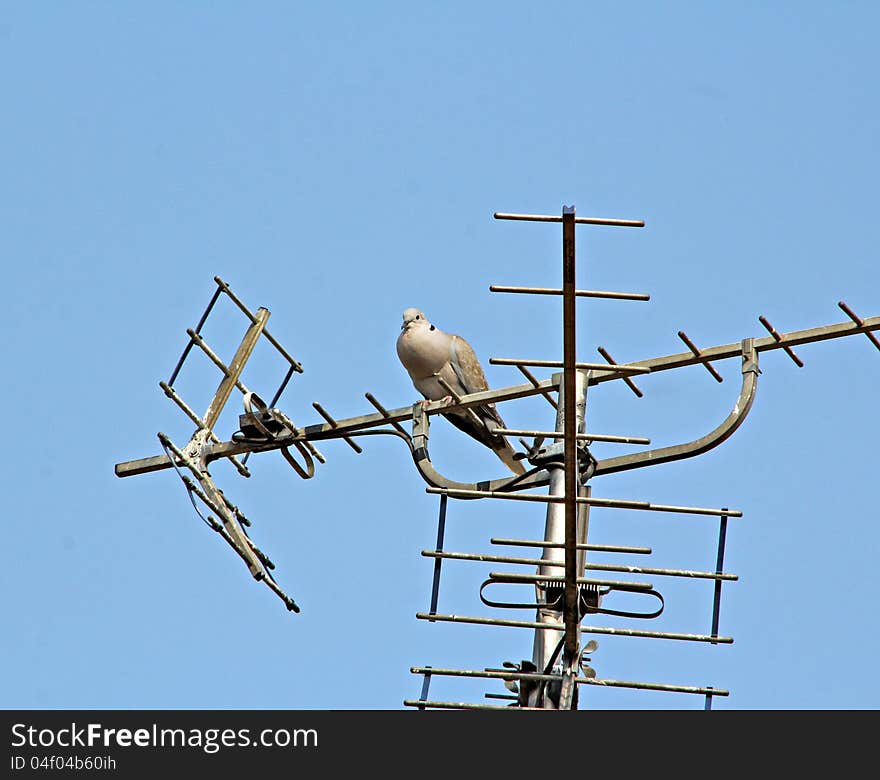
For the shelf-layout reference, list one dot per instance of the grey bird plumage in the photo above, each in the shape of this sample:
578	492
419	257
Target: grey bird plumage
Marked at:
426	351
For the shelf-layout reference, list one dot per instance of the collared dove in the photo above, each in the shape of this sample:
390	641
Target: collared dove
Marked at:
426	351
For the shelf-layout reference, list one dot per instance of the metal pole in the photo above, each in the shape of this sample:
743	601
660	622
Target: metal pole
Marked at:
236	367
562	519
571	425
583	523
716	602
719	568
441	532
554	531
435	587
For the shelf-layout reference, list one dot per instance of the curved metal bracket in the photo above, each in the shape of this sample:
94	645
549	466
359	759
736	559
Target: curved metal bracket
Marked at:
741	408
531	479
541	477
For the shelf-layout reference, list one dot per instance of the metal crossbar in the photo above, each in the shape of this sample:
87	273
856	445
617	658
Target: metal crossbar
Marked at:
348	425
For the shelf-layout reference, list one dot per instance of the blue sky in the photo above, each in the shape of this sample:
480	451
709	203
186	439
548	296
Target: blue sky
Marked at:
337	163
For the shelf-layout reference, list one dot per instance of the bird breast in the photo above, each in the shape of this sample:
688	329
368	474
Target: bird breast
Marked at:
422	352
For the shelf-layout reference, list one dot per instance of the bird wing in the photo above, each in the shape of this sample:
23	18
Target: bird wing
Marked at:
467	366
470	374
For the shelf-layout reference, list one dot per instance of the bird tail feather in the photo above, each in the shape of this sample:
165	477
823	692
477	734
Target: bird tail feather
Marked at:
483	434
506	453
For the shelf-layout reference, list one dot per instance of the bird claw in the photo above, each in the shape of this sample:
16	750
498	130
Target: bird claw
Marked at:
446	400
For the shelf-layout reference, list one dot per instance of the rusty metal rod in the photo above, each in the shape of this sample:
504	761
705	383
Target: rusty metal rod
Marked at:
333	424
579	293
215	358
693	348
284	382
788	350
457	398
592	547
858	321
181	404
384	412
660	572
629	383
198	328
613	503
623	369
578	220
693	510
533	379
606	683
232	296
540	498
532	624
580	436
457	556
492	674
460	705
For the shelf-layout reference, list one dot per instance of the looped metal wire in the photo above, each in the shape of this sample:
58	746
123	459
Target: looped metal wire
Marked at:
306	473
251	398
514	604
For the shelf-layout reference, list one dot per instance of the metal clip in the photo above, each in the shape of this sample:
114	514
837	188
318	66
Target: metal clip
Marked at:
252	399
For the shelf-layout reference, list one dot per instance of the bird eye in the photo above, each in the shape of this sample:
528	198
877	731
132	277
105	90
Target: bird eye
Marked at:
418	316
432	327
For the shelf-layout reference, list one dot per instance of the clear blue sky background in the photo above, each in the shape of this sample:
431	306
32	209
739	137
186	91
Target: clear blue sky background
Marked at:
338	162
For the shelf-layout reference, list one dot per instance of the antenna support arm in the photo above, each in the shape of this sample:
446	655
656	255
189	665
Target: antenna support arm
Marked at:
712	439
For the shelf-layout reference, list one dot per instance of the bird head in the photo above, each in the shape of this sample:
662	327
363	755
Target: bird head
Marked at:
413	318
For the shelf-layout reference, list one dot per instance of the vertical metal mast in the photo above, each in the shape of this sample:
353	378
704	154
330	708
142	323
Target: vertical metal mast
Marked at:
569	357
556	554
565	525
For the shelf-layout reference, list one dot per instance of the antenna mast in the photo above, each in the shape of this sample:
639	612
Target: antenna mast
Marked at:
563	595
